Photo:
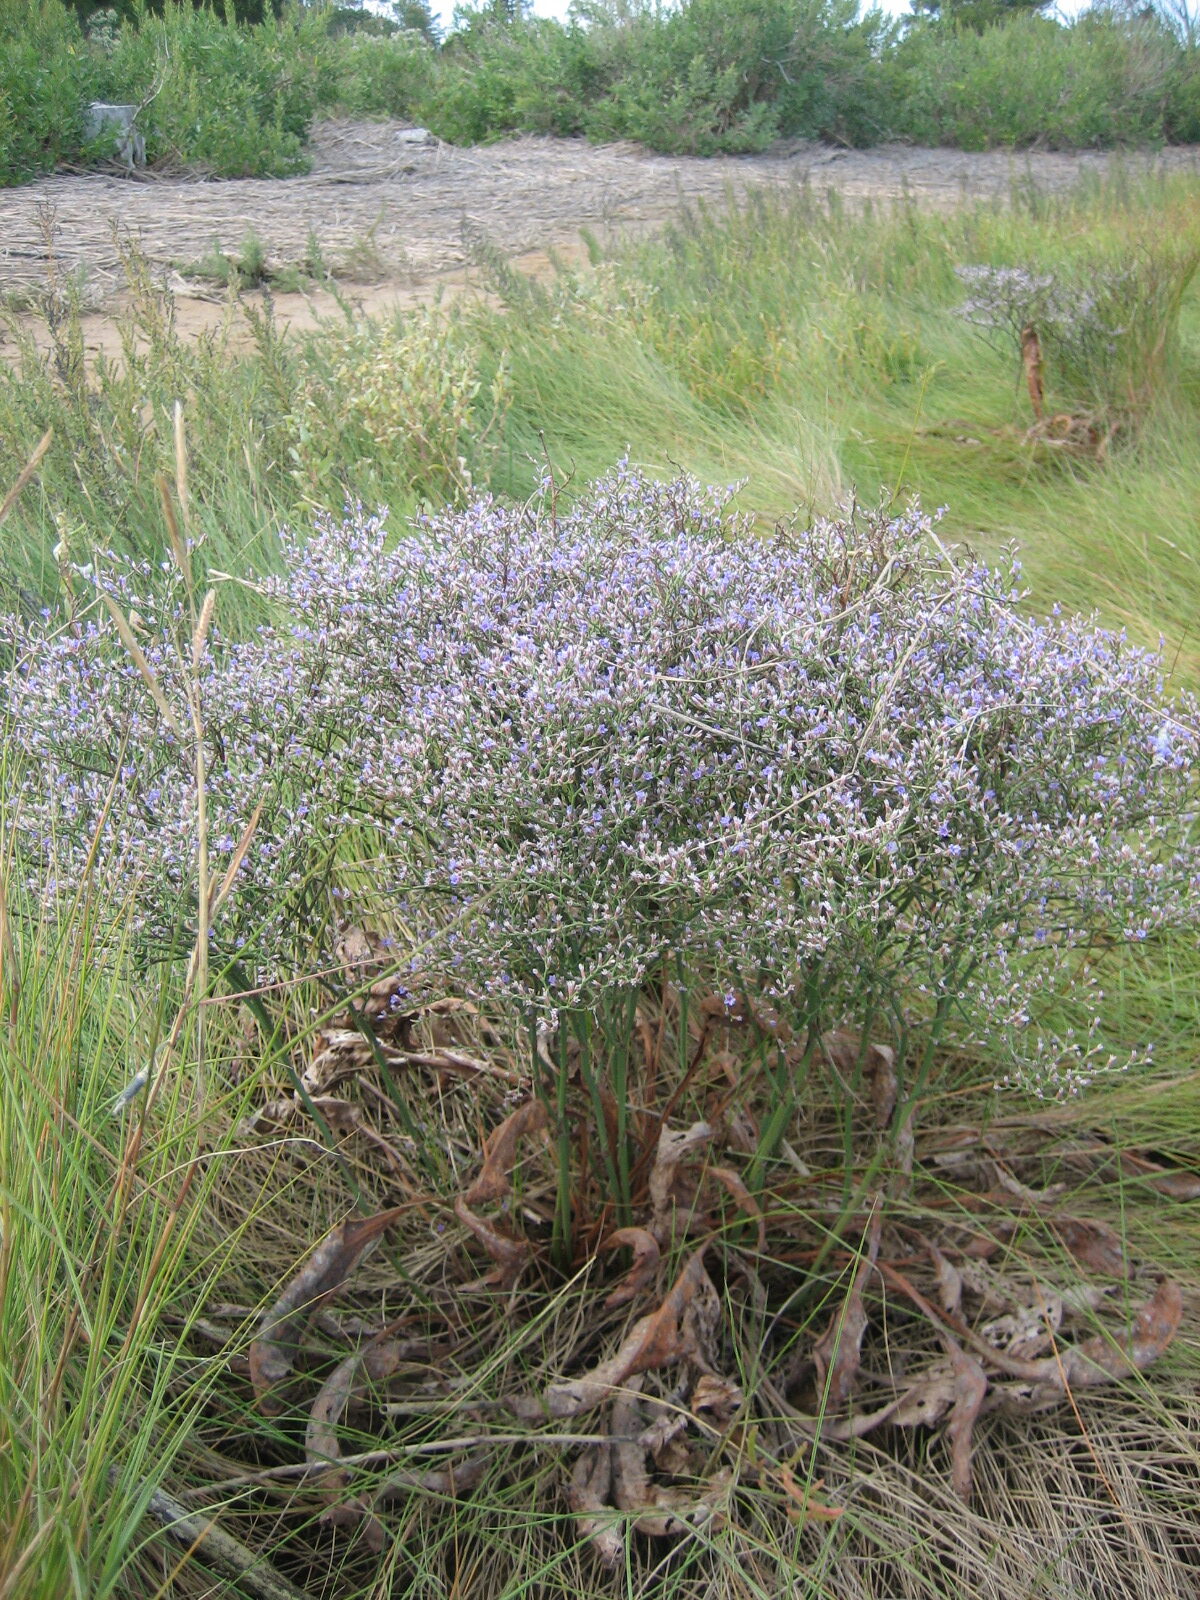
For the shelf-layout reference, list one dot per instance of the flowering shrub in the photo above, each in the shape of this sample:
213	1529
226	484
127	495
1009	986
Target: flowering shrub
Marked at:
833	763
1106	330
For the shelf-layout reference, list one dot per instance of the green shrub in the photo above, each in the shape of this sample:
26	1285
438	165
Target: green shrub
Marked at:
377	75
706	77
1104	81
729	74
47	76
394	401
237	101
531	76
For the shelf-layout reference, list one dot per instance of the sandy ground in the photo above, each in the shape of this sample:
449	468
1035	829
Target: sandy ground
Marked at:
399	220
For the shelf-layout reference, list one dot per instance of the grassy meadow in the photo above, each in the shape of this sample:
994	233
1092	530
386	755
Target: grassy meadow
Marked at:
178	1132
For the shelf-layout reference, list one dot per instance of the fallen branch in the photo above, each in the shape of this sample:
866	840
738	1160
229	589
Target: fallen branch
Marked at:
201	1537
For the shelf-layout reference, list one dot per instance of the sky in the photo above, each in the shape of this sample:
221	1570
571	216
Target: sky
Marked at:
443	10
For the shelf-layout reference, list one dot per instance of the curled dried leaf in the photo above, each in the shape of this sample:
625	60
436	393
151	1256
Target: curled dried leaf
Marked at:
358	950
1176	1183
273	1352
511	1256
660	1512
970	1391
630	1479
664	1442
715	1400
949	1281
1028	1331
1100	1359
377	1361
923	1403
641	1274
500	1152
681	1329
341	1053
588	1499
672	1512
673	1147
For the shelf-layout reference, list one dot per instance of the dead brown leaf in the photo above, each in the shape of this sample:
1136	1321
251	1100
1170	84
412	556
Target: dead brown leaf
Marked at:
665	1191
923	1403
273	1352
511	1256
500	1152
1027	1331
970	1391
1100	1359
641	1274
681	1329
587	1497
658	1511
663	1441
630	1479
1176	1184
379	1359
359	949
949	1280
1093	1244
715	1400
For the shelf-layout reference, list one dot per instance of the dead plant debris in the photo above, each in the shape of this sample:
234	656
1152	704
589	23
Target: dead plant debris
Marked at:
961	1284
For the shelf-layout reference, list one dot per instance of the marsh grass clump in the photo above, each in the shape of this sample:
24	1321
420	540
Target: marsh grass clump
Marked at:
832	766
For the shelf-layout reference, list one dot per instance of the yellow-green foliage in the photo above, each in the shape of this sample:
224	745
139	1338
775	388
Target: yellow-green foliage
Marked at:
408	392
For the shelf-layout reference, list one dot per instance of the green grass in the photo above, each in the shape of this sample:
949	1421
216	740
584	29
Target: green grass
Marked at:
815	351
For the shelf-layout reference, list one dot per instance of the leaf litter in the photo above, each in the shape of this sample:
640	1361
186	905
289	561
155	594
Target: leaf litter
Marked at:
930	1324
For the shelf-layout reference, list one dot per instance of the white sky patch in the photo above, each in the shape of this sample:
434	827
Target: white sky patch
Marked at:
444	12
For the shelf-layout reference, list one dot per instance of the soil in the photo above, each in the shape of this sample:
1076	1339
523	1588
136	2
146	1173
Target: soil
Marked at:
402	220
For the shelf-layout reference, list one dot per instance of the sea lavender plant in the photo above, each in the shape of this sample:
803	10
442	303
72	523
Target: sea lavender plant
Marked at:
1105	330
832	763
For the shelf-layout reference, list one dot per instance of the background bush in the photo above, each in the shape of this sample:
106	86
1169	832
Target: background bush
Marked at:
377	75
1107	80
47	77
237	101
235	92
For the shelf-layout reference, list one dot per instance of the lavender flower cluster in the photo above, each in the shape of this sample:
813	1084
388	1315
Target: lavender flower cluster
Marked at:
555	749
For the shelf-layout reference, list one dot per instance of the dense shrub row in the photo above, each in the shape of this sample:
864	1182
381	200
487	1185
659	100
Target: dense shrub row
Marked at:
697	77
731	75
